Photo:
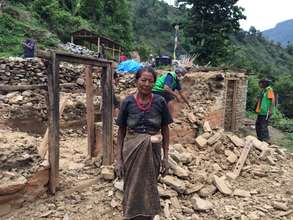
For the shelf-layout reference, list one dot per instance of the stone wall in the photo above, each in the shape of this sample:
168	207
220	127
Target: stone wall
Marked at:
235	104
19	105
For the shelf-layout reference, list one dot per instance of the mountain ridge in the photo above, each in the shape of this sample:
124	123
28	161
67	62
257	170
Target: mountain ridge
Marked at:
282	33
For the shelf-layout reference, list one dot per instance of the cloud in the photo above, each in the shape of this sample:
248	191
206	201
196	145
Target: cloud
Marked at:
265	14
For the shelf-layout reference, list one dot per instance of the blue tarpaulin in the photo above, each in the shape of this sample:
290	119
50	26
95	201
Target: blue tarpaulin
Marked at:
128	66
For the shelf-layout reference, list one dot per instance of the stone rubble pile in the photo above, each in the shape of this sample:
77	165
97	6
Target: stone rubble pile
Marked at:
18	155
26	103
32	104
77	49
201	173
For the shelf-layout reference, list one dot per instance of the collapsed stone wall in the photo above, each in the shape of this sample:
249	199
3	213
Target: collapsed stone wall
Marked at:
19	103
212	98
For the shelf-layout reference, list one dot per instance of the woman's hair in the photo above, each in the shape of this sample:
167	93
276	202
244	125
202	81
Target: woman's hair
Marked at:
146	69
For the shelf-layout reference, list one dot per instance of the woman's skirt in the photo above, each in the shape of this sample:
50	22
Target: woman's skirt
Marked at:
141	170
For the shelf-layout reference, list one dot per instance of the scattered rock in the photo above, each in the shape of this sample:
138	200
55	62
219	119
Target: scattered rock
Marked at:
107	172
222	185
174	183
207	191
201	204
214	138
236	140
280	206
241	193
201	141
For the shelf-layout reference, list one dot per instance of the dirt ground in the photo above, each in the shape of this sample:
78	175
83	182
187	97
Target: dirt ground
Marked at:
84	195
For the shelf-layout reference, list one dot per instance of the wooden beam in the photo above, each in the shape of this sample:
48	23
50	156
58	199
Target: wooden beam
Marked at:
73	58
90	112
43	148
53	116
107	116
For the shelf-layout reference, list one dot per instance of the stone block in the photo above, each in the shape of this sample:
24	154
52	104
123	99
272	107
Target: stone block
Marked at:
222	186
107	172
241	193
238	142
201	204
201	141
207	191
214	138
175	183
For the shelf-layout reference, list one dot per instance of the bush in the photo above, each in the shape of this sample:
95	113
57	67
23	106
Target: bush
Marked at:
281	122
252	93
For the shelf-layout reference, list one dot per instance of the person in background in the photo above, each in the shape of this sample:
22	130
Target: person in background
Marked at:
167	85
142	117
264	109
122	58
29	46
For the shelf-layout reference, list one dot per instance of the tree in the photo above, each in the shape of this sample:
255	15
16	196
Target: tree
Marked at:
209	26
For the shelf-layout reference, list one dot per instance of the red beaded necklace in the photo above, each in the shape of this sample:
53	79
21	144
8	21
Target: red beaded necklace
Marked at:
144	107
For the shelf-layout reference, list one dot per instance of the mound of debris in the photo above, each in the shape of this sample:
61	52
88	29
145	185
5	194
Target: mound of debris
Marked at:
77	49
204	175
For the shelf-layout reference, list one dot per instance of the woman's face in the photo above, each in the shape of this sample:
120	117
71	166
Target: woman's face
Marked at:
145	83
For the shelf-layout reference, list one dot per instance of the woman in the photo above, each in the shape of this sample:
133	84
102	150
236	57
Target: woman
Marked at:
141	116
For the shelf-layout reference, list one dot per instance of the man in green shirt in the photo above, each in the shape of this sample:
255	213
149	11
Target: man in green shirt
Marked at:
264	109
168	86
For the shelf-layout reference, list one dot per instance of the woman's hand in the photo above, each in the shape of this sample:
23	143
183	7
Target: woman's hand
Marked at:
165	167
119	169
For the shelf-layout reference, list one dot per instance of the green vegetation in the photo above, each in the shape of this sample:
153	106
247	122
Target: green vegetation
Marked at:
16	25
209	25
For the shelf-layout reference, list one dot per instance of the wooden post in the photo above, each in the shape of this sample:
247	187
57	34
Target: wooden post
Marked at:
53	115
90	112
107	116
72	39
113	52
99	41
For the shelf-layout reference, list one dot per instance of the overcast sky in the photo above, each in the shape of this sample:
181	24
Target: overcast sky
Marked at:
263	14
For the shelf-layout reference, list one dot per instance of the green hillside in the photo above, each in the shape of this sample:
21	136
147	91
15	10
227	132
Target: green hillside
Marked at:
260	56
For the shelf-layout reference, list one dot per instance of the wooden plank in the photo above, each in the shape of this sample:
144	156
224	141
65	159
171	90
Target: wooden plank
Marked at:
242	159
43	148
9	88
90	112
107	116
53	115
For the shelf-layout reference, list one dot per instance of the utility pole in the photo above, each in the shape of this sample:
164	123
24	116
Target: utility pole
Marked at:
175	40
